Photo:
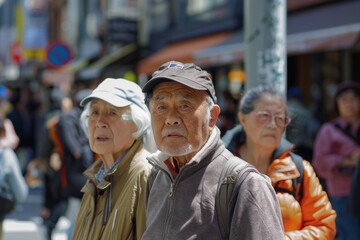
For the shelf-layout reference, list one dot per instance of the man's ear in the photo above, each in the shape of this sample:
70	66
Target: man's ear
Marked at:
214	115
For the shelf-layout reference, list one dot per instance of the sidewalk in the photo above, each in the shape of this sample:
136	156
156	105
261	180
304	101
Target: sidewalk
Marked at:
25	223
32	229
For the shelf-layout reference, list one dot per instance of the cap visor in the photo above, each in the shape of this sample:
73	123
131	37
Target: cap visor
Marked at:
107	97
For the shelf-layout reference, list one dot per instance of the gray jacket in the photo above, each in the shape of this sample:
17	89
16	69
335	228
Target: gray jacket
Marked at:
184	207
12	182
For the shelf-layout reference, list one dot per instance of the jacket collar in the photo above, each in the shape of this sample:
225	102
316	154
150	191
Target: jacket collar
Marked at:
236	137
90	173
282	167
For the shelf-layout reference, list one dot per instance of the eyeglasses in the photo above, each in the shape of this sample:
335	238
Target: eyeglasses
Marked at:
266	118
109	115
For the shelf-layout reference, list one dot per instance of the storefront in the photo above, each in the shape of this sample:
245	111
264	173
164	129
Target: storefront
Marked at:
323	50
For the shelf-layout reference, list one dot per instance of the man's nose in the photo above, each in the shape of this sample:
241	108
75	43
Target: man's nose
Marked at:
173	118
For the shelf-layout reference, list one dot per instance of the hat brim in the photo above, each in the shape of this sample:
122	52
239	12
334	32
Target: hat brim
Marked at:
107	97
150	85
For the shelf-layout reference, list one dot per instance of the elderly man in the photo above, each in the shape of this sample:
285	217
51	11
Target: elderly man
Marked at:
181	203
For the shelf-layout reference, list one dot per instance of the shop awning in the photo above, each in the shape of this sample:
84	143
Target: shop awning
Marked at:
94	69
337	38
332	27
180	51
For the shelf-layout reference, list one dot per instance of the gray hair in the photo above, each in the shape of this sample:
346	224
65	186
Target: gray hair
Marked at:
141	119
249	100
210	104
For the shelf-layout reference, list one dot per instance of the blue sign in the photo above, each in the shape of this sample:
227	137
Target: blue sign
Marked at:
58	54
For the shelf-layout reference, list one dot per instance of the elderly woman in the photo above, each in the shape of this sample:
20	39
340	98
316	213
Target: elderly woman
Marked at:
305	207
118	125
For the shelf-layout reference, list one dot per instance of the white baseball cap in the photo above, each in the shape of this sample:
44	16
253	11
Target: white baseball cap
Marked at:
118	92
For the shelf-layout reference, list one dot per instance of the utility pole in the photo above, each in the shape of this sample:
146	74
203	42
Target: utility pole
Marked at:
265	43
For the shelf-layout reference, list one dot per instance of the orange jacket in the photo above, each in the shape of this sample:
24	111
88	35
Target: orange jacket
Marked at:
310	217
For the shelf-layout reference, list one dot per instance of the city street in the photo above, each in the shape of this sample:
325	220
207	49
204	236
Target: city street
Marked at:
27	224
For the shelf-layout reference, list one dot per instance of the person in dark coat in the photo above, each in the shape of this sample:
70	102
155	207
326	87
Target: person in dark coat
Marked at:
77	155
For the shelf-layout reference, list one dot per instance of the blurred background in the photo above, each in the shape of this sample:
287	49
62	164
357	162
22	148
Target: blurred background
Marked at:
50	48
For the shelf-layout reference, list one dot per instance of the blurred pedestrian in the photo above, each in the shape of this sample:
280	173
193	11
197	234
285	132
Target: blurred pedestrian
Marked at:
305	207
303	127
182	199
49	154
10	139
12	182
77	155
118	123
336	155
20	119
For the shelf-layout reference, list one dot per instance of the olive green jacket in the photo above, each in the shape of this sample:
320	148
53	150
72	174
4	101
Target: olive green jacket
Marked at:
115	207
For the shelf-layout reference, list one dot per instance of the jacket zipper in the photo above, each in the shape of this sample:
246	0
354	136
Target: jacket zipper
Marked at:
171	190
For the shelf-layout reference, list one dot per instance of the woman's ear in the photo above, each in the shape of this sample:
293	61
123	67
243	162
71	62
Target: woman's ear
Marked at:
214	115
241	118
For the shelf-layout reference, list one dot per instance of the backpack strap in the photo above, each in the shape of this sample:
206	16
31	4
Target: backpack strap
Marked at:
235	170
298	160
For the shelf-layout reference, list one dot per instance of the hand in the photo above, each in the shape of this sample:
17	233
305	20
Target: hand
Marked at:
55	161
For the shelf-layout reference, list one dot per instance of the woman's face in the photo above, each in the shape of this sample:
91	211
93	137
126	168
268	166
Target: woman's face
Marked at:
265	125
348	104
110	128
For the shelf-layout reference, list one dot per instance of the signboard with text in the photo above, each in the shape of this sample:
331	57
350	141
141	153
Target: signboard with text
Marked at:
122	30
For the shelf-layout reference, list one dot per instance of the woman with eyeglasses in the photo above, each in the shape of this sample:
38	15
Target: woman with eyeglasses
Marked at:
118	125
305	207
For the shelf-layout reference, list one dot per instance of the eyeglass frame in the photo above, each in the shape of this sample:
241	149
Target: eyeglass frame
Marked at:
271	117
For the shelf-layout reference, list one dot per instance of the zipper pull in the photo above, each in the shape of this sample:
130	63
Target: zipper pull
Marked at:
171	190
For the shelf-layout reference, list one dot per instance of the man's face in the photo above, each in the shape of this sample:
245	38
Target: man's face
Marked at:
181	119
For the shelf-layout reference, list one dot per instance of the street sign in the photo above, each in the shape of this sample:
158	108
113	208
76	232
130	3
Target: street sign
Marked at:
16	52
58	54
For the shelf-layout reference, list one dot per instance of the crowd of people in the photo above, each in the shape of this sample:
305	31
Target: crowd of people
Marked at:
127	162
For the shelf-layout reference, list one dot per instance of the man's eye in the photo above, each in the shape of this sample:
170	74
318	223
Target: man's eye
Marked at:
184	106
160	107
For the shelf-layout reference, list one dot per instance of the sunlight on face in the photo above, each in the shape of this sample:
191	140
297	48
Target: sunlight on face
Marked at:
180	118
265	133
109	132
